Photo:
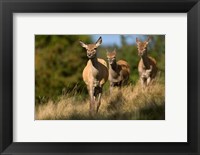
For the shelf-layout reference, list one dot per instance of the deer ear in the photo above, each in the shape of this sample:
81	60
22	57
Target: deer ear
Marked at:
137	40
83	44
107	52
114	52
148	39
99	41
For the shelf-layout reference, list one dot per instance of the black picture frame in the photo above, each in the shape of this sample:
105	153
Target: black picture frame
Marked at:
8	7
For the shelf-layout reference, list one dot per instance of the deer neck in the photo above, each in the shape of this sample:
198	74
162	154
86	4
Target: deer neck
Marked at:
145	61
113	68
94	63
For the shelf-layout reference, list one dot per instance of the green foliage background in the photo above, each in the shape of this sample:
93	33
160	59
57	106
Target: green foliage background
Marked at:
59	62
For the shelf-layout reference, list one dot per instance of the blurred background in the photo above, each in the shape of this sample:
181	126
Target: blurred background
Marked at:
59	60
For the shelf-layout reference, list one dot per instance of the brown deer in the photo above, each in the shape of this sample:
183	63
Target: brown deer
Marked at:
146	64
95	75
119	71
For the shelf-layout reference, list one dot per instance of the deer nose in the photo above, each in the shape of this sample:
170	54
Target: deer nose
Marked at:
140	53
89	54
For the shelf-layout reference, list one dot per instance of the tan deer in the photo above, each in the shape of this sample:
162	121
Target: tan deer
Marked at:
95	75
119	71
146	64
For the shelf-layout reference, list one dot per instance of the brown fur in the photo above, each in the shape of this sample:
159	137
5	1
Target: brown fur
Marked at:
89	74
118	71
125	69
142	68
146	62
95	75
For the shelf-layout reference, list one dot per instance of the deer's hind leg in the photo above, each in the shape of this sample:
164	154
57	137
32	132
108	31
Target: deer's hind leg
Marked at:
98	94
143	83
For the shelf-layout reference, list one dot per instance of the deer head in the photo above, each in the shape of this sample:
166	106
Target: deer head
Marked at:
91	48
111	56
142	46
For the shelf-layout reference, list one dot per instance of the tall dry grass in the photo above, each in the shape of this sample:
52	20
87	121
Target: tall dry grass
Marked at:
128	103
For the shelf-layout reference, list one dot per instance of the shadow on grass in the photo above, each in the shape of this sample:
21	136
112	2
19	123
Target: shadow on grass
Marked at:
117	102
151	112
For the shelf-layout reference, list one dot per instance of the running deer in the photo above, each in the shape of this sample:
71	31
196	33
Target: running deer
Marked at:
146	64
95	75
119	71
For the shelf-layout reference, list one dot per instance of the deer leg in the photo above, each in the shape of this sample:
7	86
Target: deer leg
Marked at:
127	79
92	101
99	98
111	87
120	84
96	95
143	83
96	92
148	81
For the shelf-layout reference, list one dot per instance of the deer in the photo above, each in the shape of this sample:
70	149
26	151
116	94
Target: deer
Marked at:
95	75
119	71
146	64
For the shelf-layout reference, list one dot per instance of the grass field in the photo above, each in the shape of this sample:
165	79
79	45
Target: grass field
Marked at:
128	103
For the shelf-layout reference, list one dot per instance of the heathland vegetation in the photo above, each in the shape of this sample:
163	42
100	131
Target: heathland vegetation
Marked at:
60	92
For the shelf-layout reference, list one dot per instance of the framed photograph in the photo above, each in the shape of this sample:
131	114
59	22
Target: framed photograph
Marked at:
121	91
99	77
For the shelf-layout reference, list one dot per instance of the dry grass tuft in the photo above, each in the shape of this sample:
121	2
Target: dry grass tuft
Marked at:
128	103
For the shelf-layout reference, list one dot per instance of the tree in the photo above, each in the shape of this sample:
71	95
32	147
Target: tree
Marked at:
59	61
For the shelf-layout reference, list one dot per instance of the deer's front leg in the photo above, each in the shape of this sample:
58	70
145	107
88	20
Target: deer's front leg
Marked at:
148	81
96	85
120	84
92	100
142	81
111	87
